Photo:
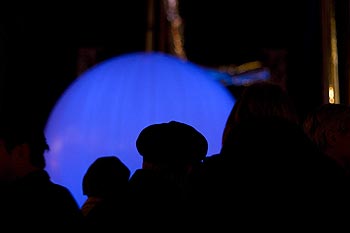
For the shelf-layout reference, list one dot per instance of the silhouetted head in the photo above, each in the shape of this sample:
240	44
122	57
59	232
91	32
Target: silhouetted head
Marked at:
106	176
172	143
328	126
21	134
320	122
261	100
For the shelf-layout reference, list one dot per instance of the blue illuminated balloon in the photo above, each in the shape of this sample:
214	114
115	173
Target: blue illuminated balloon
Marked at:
103	111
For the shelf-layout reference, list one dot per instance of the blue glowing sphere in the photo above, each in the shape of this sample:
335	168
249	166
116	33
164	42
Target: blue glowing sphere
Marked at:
103	111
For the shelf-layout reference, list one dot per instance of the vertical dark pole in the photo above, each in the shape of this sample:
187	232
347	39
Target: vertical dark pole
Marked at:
150	26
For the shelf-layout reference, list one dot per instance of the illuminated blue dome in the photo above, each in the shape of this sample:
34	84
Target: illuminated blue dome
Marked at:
105	109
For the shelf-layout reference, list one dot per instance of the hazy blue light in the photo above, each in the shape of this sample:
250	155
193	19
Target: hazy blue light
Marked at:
104	110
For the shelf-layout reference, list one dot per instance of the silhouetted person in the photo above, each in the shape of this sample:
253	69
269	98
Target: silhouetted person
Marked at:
159	189
33	202
105	184
328	126
271	176
258	100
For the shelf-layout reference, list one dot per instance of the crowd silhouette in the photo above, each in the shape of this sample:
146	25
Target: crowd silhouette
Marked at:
273	172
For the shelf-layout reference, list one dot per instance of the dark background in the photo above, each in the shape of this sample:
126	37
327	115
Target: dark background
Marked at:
40	44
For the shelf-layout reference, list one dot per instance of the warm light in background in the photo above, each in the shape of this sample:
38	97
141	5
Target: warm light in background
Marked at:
331	95
105	109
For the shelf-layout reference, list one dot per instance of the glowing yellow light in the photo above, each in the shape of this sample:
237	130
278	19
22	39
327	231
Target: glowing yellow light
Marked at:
331	95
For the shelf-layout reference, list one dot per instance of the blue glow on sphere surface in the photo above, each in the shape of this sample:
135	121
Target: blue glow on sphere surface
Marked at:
103	111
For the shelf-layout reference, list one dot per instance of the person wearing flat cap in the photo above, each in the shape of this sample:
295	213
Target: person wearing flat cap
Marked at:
159	189
172	145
